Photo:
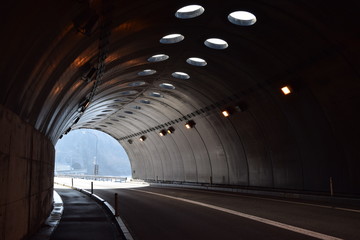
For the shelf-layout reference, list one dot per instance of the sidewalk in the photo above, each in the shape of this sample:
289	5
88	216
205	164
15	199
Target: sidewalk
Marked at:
84	218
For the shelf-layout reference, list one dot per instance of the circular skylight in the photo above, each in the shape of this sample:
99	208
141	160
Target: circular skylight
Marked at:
189	11
155	94
147	72
158	58
172	38
167	86
180	75
136	84
216	43
196	61
242	18
145	101
131	92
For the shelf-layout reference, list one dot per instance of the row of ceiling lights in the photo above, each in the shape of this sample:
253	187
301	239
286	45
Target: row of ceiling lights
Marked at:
189	124
286	90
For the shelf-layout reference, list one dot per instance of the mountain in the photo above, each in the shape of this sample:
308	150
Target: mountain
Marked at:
80	150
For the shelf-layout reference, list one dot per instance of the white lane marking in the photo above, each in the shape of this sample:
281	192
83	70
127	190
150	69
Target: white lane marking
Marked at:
252	217
275	200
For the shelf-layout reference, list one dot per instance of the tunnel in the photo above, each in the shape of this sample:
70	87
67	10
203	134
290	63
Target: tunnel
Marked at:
252	94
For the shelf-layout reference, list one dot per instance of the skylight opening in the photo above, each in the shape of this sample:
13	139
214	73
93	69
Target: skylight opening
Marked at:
189	11
136	84
180	75
128	112
242	18
195	61
216	43
172	38
167	86
145	101
147	72
155	94
158	58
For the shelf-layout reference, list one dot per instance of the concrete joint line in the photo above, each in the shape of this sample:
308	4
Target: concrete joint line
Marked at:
252	217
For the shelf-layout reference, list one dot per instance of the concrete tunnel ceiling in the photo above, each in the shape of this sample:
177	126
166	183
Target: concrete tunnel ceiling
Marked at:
136	69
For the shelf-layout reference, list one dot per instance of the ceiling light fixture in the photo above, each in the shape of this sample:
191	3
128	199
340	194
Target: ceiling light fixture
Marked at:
171	130
142	138
162	133
226	113
190	124
286	90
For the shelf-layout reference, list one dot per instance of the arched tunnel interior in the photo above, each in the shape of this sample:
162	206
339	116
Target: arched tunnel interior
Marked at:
137	70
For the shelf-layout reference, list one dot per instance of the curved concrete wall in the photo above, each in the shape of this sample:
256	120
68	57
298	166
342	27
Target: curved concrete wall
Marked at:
26	177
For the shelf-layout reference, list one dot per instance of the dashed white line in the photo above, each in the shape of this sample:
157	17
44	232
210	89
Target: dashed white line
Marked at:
252	217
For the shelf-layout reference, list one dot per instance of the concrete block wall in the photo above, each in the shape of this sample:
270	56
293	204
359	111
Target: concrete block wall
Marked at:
26	177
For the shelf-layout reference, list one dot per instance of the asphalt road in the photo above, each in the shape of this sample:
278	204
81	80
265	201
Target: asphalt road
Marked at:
186	214
170	213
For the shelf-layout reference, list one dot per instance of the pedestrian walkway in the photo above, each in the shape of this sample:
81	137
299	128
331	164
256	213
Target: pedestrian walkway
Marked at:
83	218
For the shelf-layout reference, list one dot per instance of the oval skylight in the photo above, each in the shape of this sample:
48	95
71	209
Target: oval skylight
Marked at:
136	84
128	112
189	11
158	58
131	92
216	43
180	75
145	101
121	116
172	38
147	72
167	86
107	110
196	61
155	94
242	18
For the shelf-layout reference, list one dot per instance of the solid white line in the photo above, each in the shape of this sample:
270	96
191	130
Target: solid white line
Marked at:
248	216
274	200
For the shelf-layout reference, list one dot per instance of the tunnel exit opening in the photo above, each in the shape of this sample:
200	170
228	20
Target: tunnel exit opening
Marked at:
91	152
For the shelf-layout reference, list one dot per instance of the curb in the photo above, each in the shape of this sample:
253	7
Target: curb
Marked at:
52	221
107	206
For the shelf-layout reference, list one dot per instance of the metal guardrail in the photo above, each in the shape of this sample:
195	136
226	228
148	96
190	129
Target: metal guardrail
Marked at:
94	177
